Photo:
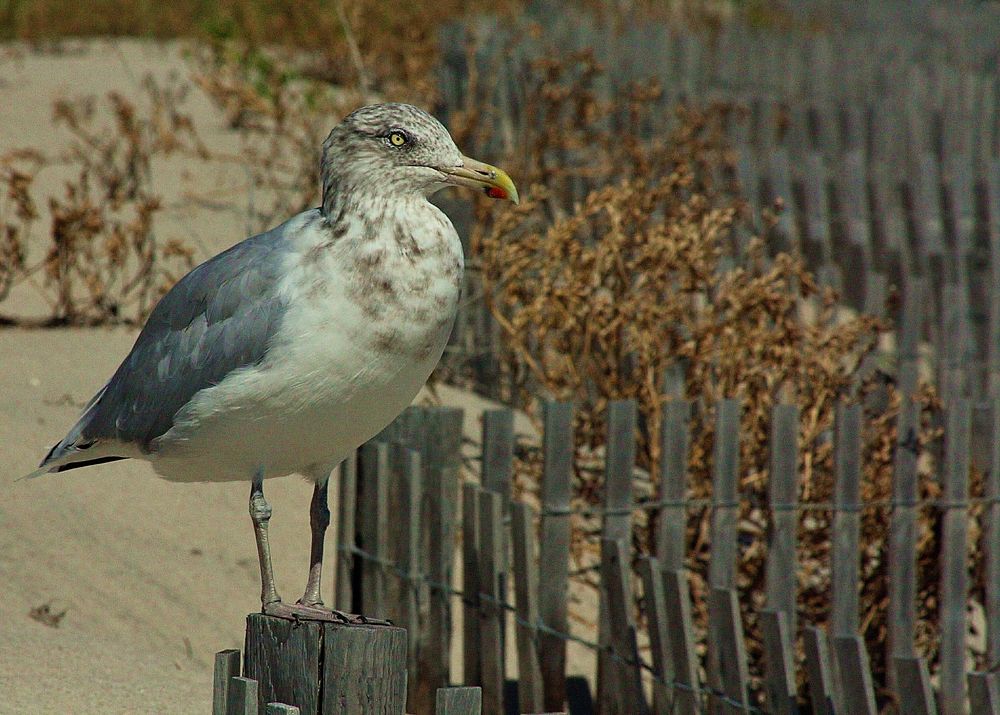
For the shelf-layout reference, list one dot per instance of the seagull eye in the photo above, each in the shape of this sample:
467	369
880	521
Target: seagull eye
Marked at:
398	139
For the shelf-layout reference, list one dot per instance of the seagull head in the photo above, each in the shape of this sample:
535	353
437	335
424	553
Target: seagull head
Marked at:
397	150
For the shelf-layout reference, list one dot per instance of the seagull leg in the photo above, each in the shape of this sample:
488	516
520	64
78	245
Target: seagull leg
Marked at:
319	519
260	513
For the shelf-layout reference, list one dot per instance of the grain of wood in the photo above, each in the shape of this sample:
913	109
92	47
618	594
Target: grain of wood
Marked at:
284	658
553	578
459	701
364	669
991	537
227	665
914	686
242	696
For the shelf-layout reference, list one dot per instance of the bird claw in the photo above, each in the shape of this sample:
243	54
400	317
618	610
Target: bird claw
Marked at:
303	612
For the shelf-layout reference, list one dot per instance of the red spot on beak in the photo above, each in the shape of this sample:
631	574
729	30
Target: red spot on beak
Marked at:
495	192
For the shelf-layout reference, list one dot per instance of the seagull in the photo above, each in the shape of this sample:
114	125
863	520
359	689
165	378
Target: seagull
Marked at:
287	351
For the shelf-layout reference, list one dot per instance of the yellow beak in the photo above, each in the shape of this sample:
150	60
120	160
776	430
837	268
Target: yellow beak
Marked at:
492	181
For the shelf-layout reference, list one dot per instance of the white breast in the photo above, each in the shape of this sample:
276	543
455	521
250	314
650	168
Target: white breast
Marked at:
369	317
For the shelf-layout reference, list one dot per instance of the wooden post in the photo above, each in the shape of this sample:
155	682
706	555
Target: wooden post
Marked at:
782	571
350	669
243	696
553	581
954	572
846	521
914	686
459	701
346	510
525	573
227	666
671	534
779	657
677	599
491	616
497	475
619	463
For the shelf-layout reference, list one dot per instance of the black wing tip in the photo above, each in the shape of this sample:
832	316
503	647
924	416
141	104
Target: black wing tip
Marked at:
86	463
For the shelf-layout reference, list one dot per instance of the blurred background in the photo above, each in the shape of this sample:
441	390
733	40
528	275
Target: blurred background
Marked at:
769	203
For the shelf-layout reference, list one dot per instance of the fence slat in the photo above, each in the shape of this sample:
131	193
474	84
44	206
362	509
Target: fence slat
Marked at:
658	627
374	514
725	511
779	658
855	675
407	473
227	665
627	697
846	522
459	701
471	568
619	463
727	641
279	709
821	690
491	618
346	511
671	535
553	578
242	696
954	572
442	459
991	537
782	571
525	571
984	693
677	598
914	686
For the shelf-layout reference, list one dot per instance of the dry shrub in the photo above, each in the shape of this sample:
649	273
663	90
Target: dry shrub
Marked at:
599	296
103	262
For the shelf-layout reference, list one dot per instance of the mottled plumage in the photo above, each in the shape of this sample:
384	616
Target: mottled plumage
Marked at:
285	352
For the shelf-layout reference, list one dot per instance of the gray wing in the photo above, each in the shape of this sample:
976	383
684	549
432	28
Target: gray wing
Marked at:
218	318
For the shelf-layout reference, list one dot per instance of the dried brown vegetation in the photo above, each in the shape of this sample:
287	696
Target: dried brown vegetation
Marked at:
102	260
